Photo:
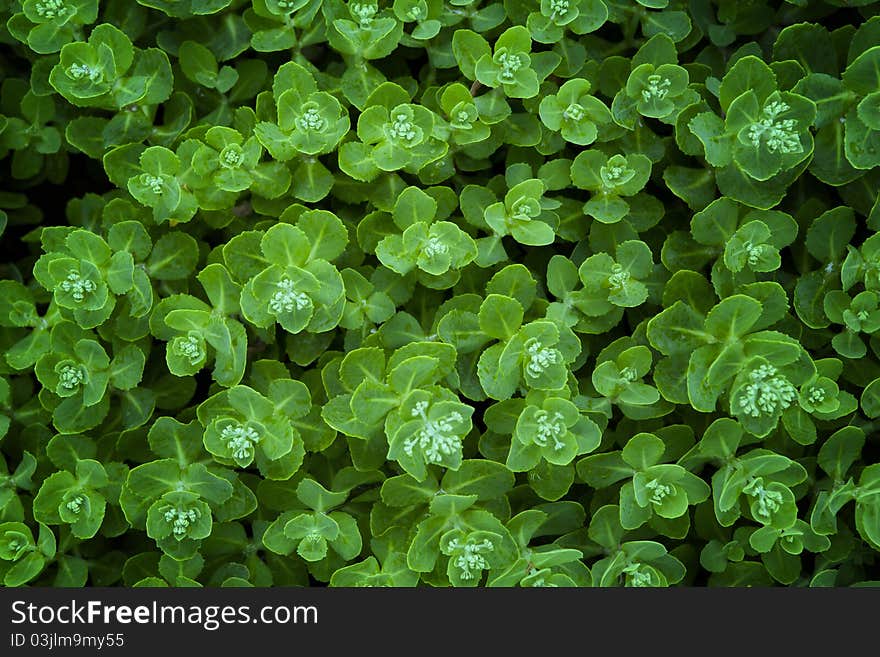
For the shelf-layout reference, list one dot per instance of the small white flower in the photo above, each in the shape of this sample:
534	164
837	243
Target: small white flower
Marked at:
180	519
364	14
50	9
753	252
658	87
619	277
419	409
78	286
437	438
189	348
778	135
287	298
311	121
510	64
767	393
71	376
629	374
82	71
558	8
816	395
550	428
659	491
524	210
434	246
153	182
402	129
615	173
769	501
76	504
539	357
232	156
240	440
470	561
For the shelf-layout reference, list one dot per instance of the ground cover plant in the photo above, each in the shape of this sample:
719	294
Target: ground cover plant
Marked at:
439	292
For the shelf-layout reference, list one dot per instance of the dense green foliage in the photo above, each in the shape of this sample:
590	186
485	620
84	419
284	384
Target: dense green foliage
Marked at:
444	292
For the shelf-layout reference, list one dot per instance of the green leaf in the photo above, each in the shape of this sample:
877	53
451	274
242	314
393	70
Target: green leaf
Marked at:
174	257
870	399
829	234
747	74
486	479
840	451
643	450
678	329
500	316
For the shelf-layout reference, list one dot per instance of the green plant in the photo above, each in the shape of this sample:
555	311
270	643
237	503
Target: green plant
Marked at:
439	292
